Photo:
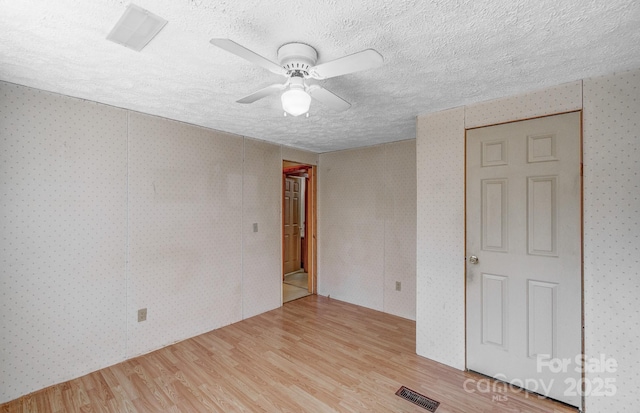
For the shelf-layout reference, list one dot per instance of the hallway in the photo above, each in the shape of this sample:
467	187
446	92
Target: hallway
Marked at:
295	286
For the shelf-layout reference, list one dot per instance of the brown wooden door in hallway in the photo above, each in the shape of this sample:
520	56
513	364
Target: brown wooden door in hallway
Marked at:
291	225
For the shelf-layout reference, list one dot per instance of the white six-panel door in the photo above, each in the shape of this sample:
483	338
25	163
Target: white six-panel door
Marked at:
524	305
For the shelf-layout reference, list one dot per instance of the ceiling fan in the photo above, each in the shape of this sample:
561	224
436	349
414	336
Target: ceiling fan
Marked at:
297	64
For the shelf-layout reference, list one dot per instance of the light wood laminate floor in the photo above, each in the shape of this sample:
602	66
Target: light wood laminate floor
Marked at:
312	355
298	279
290	293
294	286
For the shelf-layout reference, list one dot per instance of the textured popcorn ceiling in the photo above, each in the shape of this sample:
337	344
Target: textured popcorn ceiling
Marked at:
438	54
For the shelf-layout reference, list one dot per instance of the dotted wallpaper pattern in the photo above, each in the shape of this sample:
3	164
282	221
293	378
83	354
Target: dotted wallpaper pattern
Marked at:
611	222
366	223
351	226
612	233
262	250
63	174
298	155
68	295
440	309
185	234
558	99
400	228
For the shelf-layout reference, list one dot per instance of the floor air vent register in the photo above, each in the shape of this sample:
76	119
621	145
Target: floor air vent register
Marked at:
418	399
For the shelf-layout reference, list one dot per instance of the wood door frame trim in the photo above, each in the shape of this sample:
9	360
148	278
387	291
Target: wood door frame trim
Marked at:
282	206
311	218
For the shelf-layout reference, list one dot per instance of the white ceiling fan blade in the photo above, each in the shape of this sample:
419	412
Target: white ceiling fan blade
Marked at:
263	93
366	59
241	51
328	98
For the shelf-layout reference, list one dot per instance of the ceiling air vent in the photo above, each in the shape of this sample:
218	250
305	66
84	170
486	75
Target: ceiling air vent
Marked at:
136	28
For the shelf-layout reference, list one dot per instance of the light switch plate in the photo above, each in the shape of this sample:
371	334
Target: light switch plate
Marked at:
142	314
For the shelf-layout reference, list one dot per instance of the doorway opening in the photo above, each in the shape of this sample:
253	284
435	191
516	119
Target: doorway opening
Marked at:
298	230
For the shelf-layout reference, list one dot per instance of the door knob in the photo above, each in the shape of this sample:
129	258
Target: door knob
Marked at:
473	259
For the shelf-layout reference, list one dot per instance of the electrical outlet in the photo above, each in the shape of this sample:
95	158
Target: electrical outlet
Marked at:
142	314
398	286
255	227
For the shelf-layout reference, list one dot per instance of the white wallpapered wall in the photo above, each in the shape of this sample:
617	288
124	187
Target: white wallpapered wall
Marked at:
612	234
85	184
351	226
63	216
400	228
298	155
611	222
440	237
261	251
185	210
359	216
556	99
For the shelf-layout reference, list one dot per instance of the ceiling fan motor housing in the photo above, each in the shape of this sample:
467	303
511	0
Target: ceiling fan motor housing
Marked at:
297	58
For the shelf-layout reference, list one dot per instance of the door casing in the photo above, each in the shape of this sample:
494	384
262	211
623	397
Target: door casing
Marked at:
581	192
311	222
